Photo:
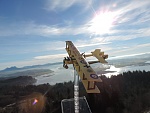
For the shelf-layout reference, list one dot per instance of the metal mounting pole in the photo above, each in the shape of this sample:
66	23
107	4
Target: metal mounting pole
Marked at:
76	92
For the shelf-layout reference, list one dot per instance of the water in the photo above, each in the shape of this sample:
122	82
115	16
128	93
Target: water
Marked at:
61	75
126	68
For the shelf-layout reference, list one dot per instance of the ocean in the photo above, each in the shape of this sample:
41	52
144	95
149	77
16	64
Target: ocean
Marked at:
61	75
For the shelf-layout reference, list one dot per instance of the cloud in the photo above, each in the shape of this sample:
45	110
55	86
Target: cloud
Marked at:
132	18
124	11
78	43
61	5
133	49
48	31
129	55
55	56
30	28
90	42
122	35
129	10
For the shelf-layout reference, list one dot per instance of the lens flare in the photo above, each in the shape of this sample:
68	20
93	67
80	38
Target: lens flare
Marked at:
35	101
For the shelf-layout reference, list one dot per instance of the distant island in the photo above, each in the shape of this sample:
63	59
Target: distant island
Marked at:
29	72
18	81
33	71
14	68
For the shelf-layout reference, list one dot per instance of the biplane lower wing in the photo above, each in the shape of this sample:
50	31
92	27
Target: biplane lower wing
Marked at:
88	81
90	86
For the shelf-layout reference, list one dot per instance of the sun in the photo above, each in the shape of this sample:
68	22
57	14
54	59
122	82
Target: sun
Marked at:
102	23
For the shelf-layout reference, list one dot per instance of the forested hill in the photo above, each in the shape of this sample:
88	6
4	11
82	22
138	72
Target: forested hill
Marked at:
126	93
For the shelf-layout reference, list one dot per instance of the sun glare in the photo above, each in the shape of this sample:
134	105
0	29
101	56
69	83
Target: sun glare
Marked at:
102	23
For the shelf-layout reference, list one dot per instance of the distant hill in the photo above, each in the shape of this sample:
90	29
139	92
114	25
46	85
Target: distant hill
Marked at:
31	72
34	71
21	80
14	68
40	66
10	69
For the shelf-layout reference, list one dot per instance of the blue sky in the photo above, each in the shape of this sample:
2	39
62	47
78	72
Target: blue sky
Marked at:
34	31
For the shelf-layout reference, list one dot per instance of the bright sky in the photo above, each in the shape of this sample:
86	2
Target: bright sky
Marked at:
34	31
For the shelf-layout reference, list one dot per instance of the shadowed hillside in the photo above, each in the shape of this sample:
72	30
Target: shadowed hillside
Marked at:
126	93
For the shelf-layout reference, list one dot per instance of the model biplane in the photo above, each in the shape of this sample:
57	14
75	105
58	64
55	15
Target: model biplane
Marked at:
83	68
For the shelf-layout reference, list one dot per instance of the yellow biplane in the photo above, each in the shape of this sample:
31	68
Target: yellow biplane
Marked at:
83	68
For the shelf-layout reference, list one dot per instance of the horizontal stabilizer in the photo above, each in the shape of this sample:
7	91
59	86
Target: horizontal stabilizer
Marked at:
100	55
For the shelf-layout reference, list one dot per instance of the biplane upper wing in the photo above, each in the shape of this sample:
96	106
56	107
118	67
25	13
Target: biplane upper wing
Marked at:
86	73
